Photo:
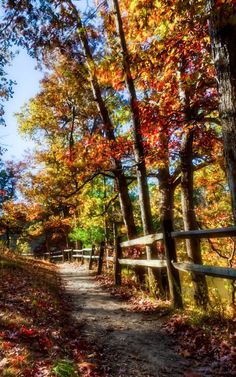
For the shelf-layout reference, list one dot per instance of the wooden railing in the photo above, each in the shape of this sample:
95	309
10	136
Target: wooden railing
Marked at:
169	237
228	273
68	255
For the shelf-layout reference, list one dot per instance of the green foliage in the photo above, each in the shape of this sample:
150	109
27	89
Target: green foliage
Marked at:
9	372
7	182
92	234
23	245
65	368
6	84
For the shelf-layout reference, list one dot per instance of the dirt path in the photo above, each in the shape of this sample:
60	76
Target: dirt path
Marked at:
130	344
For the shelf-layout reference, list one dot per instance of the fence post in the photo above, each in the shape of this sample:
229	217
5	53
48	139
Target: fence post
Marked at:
101	255
71	255
173	274
91	258
63	255
117	266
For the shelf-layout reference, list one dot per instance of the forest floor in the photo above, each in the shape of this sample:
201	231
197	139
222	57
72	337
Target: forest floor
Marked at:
61	321
127	342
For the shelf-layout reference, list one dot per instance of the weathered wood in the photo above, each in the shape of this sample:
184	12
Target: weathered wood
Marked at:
111	259
80	250
223	272
56	256
117	266
91	258
173	274
145	240
207	233
54	252
156	263
79	253
82	259
100	259
70	255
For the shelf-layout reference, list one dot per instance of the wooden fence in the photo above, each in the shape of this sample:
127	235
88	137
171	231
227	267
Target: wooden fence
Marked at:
227	273
69	255
168	236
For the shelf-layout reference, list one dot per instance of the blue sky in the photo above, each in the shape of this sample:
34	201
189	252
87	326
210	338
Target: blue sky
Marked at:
23	71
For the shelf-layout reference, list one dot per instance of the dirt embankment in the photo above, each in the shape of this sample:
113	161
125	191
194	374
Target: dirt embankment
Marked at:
128	344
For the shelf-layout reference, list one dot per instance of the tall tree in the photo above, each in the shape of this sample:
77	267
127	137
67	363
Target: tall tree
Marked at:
139	155
125	201
222	29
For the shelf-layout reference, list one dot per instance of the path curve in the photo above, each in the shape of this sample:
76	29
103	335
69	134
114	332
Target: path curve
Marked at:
131	344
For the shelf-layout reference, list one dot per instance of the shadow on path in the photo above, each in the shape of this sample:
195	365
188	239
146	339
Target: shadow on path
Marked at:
130	344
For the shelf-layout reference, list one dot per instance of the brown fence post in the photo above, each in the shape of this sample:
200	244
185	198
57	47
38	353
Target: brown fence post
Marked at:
82	258
63	255
173	274
100	260
91	258
117	266
71	255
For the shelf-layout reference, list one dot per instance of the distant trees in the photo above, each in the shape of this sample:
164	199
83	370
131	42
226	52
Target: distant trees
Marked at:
8	181
6	84
8	178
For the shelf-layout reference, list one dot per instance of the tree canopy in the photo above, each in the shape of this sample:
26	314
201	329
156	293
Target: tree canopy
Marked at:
132	119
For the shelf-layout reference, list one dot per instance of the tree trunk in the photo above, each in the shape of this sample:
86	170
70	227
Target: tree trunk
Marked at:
117	266
126	204
166	210
101	257
143	190
189	217
8	236
222	29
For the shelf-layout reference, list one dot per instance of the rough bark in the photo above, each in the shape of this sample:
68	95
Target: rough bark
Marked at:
139	155
189	218
222	29
166	208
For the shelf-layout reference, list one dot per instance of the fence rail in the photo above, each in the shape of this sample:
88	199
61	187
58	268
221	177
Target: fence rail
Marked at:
217	271
168	236
66	254
228	273
158	263
206	233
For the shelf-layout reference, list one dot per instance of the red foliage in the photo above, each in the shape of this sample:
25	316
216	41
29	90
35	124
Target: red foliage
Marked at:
34	330
213	344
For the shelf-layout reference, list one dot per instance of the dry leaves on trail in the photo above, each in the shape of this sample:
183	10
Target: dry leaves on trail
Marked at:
36	330
212	343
